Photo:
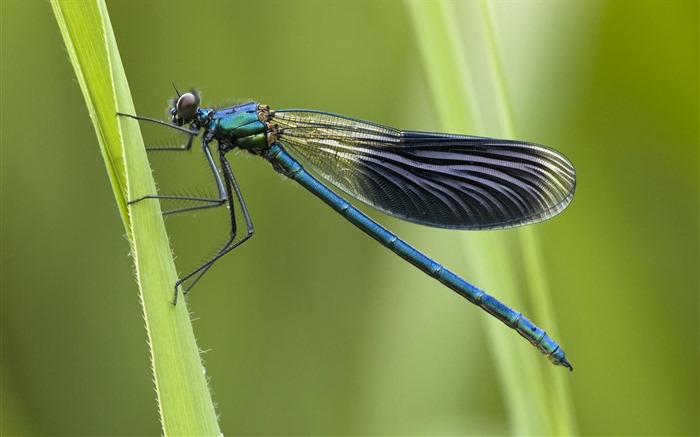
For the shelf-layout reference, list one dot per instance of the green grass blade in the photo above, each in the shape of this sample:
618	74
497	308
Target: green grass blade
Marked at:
184	400
535	393
555	391
82	33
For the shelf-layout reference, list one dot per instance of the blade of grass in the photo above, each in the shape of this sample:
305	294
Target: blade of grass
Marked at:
558	396
184	400
533	397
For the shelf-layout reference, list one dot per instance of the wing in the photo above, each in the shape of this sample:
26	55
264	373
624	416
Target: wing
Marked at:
439	180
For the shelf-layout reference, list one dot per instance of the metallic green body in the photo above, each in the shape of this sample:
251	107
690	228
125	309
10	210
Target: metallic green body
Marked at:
240	128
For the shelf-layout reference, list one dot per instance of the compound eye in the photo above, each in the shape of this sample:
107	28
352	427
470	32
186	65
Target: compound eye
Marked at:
186	106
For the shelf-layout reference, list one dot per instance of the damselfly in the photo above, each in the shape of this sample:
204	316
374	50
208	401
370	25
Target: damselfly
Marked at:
434	179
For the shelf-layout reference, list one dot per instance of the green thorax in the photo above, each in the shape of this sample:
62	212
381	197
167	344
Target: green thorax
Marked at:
243	126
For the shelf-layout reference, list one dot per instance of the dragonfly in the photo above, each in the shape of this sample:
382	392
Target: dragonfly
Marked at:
434	179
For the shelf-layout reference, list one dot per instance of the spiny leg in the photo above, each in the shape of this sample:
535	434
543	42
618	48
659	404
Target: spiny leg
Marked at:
232	189
208	202
226	188
161	122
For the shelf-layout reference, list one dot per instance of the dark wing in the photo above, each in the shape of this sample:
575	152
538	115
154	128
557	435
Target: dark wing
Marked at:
440	180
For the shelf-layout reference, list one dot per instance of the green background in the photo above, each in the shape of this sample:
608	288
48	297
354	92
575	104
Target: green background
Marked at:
311	327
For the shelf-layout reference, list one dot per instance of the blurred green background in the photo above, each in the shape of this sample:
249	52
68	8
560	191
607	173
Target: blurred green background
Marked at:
311	327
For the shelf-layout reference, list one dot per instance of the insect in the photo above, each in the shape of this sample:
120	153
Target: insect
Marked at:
434	179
